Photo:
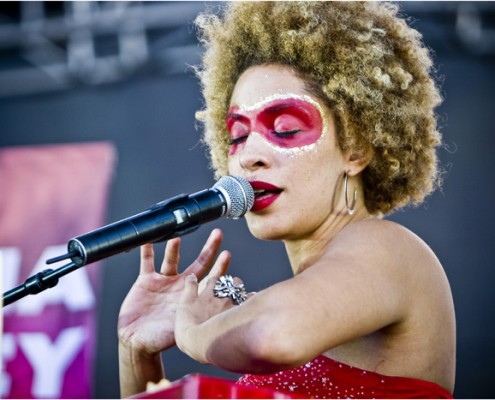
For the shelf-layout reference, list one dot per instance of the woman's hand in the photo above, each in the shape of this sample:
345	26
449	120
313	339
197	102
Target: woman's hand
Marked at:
147	316
199	304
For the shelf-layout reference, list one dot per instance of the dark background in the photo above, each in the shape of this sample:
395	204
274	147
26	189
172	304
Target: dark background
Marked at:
54	88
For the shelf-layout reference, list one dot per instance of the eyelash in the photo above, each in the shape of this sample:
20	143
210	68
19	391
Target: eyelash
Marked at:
285	134
238	140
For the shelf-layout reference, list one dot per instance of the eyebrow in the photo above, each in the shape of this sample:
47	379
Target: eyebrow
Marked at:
301	111
269	110
236	116
277	107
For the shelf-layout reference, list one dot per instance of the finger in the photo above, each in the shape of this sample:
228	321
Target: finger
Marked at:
170	262
190	291
207	255
147	264
250	294
220	268
221	265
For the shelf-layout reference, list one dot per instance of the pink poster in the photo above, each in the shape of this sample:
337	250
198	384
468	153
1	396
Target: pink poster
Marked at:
49	194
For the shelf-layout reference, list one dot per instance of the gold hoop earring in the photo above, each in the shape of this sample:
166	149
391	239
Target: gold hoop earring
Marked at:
350	210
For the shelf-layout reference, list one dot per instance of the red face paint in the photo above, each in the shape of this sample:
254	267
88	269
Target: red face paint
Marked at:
289	123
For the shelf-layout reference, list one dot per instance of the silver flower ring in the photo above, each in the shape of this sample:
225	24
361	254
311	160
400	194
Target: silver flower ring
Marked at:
225	287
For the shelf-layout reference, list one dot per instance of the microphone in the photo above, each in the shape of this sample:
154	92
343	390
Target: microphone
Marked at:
231	196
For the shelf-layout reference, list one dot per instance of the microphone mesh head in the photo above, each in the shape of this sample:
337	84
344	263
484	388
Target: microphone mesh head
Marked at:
239	195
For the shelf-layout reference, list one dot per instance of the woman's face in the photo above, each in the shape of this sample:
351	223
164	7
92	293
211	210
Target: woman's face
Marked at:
283	142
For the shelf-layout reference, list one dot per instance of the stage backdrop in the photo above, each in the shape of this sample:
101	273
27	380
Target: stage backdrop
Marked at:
49	194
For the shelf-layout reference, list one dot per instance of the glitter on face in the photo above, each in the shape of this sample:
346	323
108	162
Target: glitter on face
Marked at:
288	110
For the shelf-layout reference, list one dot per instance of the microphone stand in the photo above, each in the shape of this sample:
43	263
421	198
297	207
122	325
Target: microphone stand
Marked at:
39	282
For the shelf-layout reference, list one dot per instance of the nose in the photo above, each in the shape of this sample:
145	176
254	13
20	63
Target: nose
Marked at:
254	153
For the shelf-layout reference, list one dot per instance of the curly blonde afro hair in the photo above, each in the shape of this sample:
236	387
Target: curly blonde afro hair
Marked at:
361	59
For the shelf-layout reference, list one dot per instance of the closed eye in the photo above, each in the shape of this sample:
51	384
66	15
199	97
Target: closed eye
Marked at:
238	140
286	134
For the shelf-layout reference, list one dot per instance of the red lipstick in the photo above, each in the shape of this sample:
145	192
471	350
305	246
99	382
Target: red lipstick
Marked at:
264	194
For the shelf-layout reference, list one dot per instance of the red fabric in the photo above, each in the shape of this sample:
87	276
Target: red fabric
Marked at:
197	386
325	378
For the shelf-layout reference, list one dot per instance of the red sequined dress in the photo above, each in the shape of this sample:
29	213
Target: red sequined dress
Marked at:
325	378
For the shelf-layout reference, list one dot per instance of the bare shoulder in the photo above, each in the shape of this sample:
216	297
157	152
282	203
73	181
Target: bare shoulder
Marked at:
376	230
392	254
404	283
386	241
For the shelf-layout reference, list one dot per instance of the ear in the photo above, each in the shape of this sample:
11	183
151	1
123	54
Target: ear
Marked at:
356	161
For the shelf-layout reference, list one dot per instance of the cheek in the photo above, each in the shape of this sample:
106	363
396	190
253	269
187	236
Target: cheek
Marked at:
232	165
320	169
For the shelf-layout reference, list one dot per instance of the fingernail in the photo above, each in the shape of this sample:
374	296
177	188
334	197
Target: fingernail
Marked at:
192	276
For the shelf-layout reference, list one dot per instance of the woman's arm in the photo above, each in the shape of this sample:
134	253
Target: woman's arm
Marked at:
136	369
357	287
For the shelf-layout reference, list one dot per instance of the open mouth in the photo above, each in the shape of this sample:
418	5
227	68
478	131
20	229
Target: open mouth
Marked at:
264	194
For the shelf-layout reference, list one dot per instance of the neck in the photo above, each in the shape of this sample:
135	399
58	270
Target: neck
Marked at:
304	252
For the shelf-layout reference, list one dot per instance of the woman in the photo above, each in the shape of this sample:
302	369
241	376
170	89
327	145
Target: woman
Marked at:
327	109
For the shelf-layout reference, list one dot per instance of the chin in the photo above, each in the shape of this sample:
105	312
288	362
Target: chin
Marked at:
262	229
266	236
